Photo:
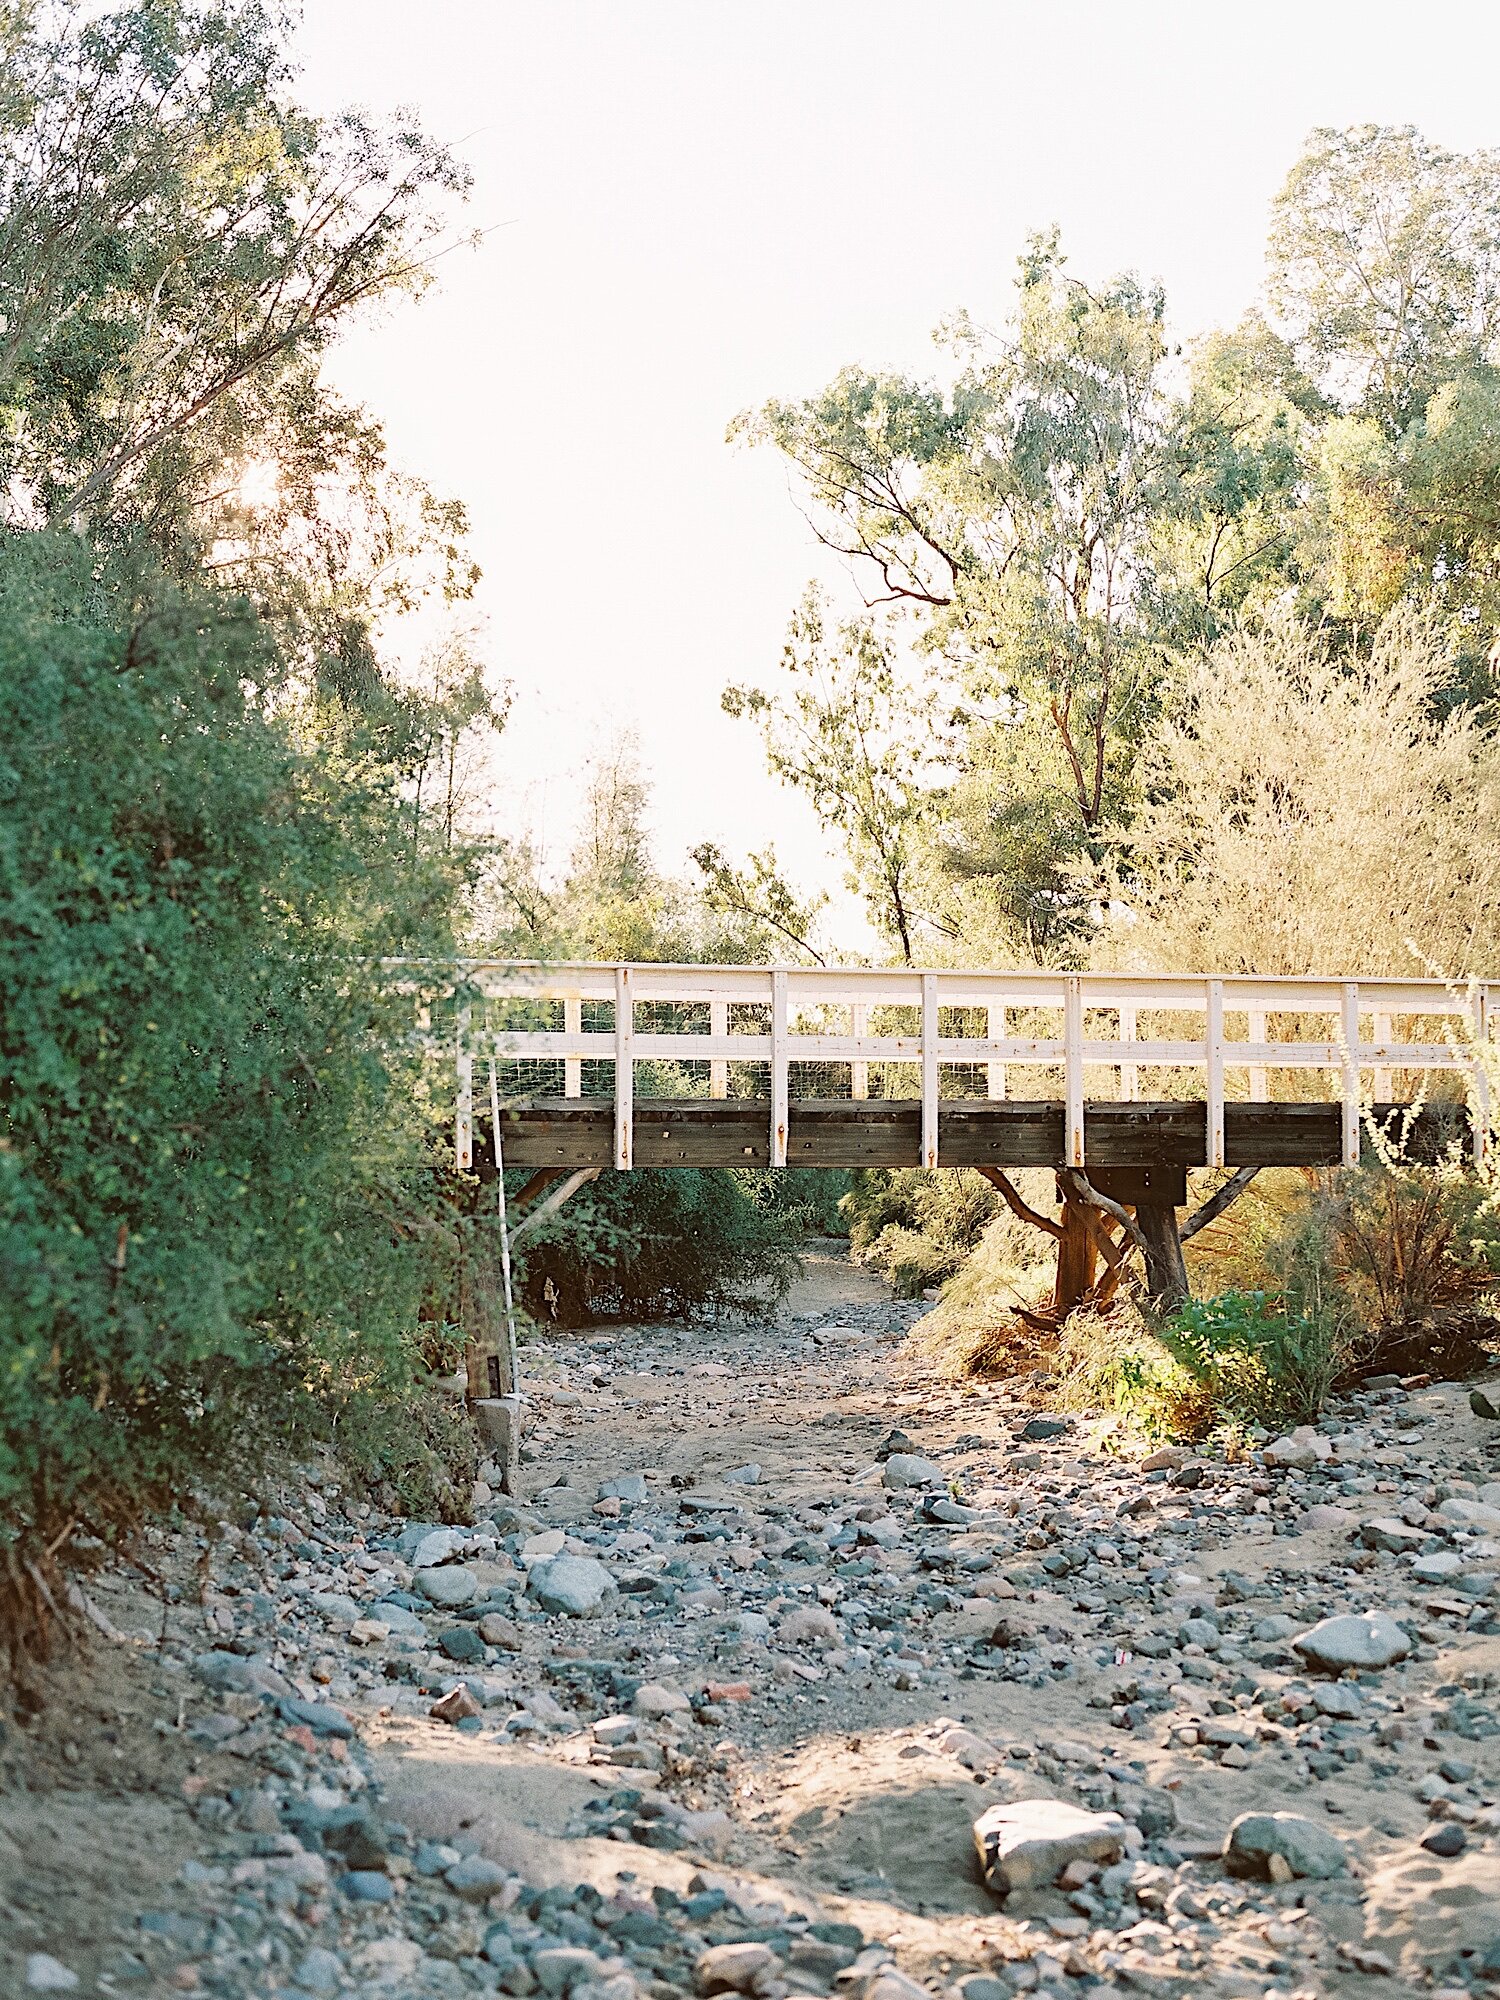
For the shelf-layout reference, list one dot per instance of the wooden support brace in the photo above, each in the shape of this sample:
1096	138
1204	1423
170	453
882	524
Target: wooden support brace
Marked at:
780	1113
624	1068
1349	1073
1216	1204
1075	1256
463	1124
572	1065
929	1070
994	1072
718	1068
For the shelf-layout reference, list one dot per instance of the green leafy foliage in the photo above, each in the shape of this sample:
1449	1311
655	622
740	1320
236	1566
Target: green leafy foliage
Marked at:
1050	543
1409	1251
1258	1358
916	1225
214	1160
666	1245
1222	1366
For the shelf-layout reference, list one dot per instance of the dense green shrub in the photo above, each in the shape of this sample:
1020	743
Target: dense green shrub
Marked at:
415	1452
1226	1364
807	1200
1412	1250
664	1244
1258	1357
214	1179
1408	1250
915	1225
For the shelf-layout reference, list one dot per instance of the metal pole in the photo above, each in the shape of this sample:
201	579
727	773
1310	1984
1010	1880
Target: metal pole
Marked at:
510	1309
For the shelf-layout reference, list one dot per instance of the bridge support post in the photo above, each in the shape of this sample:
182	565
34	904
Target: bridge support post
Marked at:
1166	1272
1155	1194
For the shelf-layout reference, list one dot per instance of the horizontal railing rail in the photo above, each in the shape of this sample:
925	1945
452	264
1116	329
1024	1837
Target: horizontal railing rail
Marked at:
787	994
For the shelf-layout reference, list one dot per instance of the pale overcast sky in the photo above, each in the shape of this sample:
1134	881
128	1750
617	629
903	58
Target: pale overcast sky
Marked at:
715	201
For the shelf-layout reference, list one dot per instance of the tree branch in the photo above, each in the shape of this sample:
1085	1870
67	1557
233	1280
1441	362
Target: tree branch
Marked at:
1079	1183
1016	1205
1216	1204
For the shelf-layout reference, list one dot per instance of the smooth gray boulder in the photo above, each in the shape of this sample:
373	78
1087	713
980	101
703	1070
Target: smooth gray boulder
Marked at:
334	1605
396	1618
1257	1840
231	1673
451	1586
1396	1538
1357	1639
1438	1567
437	1546
1028	1845
476	1878
903	1469
575	1586
631	1487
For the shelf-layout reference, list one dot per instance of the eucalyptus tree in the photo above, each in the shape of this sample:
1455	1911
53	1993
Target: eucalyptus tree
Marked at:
1384	265
179	242
865	743
1384	274
1002	526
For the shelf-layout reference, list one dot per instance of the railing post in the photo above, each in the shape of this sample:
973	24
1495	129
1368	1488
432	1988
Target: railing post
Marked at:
994	1072
1214	1038
463	1122
929	1070
624	1068
1384	1086
1073	1067
1349	1072
859	1069
1480	1109
718	1066
778	1068
1128	1071
572	1065
1260	1076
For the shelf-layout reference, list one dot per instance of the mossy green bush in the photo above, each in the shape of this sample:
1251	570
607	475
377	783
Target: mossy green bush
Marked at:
1242	1361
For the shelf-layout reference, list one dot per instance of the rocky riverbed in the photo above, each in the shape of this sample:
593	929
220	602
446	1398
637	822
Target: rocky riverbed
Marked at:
717	1704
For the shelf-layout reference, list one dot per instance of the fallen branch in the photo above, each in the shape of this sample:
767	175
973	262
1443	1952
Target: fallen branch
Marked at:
81	1601
1216	1204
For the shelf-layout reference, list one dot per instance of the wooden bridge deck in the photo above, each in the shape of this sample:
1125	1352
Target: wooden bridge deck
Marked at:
569	1133
900	1054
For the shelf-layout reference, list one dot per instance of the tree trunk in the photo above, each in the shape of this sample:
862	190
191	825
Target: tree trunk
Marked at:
1075	1257
1166	1273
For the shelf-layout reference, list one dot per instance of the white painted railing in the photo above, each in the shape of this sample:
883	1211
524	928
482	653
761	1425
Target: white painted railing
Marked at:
792	995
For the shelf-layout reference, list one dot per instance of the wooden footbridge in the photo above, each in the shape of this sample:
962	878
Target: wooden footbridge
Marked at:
1119	1082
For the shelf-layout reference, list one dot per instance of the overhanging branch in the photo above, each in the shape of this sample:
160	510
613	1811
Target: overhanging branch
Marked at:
1079	1183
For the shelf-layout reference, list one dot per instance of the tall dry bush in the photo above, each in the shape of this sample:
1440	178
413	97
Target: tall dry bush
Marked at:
1311	811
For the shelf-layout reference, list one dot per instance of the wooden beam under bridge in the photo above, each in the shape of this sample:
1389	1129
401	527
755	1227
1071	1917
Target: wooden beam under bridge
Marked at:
569	1133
